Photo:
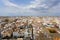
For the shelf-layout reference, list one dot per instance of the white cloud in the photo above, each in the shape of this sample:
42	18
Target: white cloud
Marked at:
18	9
36	7
34	4
7	3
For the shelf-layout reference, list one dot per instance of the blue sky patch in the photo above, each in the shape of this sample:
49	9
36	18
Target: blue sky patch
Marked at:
21	2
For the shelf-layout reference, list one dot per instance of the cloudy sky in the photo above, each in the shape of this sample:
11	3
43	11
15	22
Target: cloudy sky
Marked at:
29	7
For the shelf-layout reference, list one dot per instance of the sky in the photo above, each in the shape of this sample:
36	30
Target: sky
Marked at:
29	7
